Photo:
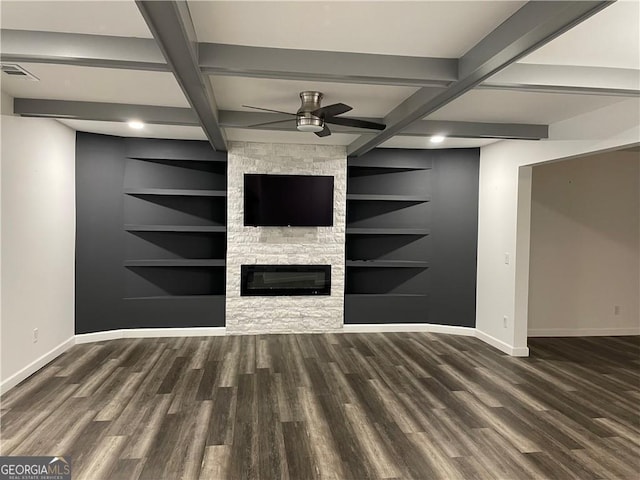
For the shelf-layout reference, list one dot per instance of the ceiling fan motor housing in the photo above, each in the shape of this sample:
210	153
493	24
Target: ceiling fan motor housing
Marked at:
305	121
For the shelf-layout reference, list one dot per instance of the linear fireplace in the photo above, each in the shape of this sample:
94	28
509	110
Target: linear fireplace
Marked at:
277	280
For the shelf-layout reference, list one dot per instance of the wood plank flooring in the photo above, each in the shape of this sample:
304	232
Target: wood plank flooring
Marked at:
334	406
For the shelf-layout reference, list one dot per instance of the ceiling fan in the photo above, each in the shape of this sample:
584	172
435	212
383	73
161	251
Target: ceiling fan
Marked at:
311	117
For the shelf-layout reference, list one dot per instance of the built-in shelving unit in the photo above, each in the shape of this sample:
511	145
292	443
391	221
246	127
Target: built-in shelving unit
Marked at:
388	229
175	224
151	235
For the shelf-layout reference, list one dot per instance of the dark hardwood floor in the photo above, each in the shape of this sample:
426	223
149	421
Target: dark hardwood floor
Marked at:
335	406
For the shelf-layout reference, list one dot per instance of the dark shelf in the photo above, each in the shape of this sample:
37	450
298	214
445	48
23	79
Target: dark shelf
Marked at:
354	164
175	192
175	228
177	297
182	262
387	231
175	159
388	295
387	263
388	198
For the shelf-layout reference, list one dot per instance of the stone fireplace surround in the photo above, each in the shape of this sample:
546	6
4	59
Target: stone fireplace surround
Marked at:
284	245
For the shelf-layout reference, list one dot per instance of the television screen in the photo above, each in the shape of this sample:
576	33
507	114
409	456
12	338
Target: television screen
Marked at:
288	200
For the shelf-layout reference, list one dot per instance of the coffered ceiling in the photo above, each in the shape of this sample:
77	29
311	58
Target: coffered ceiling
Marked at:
414	28
475	71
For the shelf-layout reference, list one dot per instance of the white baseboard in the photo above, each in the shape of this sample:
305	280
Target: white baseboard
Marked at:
503	347
408	327
36	365
98	336
150	333
174	332
583	332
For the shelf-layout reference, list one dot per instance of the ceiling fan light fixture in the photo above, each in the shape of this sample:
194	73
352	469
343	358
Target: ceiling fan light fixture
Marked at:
437	138
309	123
309	128
136	124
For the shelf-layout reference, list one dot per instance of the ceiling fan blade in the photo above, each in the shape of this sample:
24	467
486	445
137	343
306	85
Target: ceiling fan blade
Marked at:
267	123
355	122
269	110
331	110
325	132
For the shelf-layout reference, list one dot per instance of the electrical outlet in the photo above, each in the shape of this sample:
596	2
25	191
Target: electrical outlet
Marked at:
616	309
35	335
505	321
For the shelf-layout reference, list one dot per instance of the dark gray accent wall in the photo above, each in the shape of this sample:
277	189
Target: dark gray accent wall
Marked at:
454	237
129	217
99	234
151	242
431	237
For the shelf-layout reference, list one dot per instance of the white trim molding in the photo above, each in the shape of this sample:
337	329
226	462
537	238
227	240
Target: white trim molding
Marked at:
407	327
150	333
98	336
584	332
36	365
502	346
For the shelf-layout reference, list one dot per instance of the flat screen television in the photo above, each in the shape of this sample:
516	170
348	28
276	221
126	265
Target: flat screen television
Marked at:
288	200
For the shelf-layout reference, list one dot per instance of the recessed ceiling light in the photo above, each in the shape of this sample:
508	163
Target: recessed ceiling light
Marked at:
437	139
135	124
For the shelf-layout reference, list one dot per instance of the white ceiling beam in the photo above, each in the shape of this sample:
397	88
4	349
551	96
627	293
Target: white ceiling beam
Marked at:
341	67
117	112
171	25
532	26
21	46
566	79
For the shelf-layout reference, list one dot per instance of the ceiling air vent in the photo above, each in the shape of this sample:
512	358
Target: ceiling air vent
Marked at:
18	72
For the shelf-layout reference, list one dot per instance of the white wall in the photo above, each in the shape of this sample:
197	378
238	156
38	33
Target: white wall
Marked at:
585	215
38	241
504	209
282	245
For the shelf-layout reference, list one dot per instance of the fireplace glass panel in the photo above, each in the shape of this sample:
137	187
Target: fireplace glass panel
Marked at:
267	280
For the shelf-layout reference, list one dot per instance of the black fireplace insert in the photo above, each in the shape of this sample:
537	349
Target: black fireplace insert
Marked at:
280	280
